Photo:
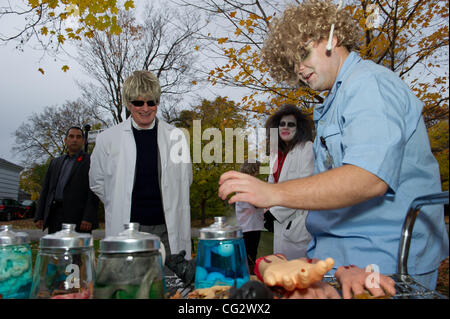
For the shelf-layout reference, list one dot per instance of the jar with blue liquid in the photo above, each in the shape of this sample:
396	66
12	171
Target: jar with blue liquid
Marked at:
15	264
221	256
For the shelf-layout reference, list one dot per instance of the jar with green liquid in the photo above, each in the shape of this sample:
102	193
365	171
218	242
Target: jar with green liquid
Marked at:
129	266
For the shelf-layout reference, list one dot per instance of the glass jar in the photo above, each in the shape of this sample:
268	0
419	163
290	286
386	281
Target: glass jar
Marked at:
15	264
221	256
64	266
130	266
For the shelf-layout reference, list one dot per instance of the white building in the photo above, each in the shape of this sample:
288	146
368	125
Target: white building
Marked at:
9	179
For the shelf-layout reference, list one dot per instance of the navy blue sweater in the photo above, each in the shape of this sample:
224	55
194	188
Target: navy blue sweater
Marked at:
146	202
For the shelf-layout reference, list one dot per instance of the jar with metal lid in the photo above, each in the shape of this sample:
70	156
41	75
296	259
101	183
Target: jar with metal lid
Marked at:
15	264
221	256
130	266
64	266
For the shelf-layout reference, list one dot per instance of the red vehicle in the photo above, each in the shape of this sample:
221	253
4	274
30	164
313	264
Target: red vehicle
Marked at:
28	208
10	209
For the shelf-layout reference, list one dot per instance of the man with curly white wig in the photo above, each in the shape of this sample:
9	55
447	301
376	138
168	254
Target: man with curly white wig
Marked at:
372	153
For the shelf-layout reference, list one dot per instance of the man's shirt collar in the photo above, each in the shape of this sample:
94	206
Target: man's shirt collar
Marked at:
137	127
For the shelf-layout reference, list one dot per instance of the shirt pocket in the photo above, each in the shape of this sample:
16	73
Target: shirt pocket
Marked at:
295	229
111	162
331	146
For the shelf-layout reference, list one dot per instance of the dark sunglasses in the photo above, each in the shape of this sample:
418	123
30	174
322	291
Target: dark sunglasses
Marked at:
289	124
141	103
305	51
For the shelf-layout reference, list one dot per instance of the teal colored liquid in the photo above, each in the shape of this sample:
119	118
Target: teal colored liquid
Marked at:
15	271
221	263
56	270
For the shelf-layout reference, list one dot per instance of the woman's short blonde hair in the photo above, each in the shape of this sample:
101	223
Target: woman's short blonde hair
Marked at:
312	19
141	83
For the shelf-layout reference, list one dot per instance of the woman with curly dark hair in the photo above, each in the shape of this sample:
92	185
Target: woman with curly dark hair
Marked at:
295	159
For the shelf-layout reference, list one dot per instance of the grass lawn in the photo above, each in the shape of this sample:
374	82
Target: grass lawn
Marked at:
265	244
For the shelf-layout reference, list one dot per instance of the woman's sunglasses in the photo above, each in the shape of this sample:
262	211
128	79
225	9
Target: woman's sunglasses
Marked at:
288	124
141	103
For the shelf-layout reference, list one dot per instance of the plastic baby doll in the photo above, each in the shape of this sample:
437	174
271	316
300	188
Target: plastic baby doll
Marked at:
276	270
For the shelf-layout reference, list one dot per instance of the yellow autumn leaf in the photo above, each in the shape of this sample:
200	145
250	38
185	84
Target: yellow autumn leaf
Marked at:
222	40
41	70
65	68
115	29
129	4
89	34
196	48
52	3
233	14
254	16
72	9
61	38
33	3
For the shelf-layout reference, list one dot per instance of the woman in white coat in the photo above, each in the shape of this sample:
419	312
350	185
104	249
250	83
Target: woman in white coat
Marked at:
141	169
295	159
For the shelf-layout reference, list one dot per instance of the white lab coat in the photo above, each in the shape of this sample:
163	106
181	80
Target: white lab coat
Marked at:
111	177
249	217
293	242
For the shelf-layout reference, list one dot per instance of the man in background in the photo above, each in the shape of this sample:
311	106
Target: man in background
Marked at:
66	196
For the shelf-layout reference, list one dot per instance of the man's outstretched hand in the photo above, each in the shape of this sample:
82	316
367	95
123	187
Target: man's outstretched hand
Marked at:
247	188
354	280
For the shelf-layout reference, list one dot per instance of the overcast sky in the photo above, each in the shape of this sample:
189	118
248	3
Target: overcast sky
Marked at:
25	90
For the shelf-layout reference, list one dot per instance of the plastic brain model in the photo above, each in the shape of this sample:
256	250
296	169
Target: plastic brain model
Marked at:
276	270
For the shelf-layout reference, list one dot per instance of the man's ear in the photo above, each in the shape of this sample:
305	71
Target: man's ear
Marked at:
334	42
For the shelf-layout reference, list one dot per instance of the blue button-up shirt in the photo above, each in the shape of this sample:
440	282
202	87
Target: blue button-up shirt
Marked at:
372	120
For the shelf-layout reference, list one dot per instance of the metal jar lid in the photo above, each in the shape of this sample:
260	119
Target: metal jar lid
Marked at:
130	240
66	238
220	230
9	237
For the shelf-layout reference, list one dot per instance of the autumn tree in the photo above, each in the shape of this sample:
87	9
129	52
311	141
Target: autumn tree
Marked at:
411	39
49	23
207	124
32	179
42	135
439	139
237	42
162	43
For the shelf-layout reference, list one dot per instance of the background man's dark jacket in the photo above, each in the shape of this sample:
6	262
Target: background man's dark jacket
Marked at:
79	202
